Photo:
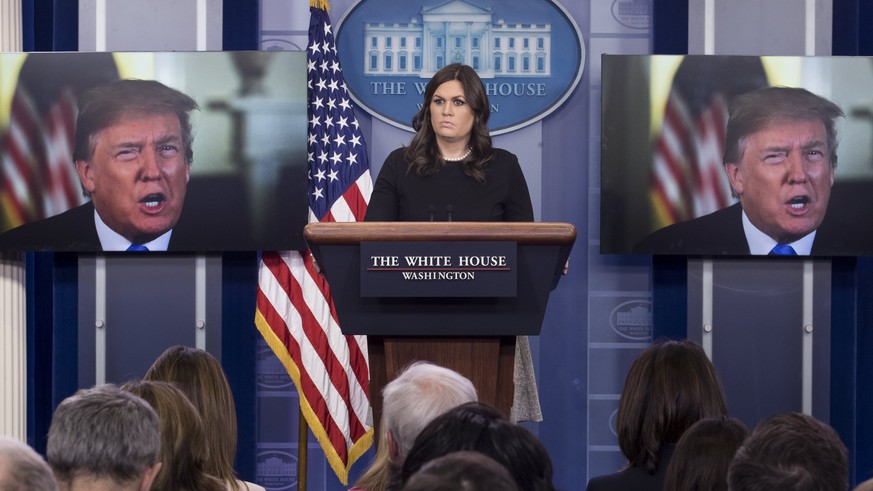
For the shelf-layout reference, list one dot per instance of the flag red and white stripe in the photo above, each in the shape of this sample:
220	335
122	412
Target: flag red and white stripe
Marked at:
37	176
295	312
688	180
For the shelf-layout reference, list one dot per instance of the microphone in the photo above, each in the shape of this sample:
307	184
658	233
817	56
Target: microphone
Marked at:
431	209
449	211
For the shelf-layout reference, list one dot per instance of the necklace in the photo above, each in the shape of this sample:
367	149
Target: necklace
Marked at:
458	159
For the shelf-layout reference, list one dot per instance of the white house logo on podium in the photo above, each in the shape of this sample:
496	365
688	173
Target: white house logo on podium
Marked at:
530	56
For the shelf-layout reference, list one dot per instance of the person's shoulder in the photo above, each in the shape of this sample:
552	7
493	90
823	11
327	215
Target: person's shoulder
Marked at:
718	233
609	482
395	160
634	478
501	154
505	161
398	154
70	230
249	486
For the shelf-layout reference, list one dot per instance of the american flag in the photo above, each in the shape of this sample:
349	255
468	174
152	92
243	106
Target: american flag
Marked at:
295	312
688	178
37	177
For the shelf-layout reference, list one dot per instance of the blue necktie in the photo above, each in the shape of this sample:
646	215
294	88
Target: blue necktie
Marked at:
138	248
782	250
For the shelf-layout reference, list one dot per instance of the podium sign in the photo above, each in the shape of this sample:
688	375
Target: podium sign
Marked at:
541	249
438	269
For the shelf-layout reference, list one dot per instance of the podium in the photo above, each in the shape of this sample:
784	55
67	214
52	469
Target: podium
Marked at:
473	335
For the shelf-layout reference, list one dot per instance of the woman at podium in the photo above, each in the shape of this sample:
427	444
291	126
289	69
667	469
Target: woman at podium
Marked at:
451	172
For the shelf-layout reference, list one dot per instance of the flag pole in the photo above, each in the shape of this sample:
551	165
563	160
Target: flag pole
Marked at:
302	451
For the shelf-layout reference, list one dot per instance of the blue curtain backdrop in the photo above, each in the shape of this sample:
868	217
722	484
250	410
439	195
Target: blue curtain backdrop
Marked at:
849	38
52	338
669	273
240	19
239	284
50	25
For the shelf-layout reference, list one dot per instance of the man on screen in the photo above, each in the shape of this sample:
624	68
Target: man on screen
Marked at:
780	156
132	154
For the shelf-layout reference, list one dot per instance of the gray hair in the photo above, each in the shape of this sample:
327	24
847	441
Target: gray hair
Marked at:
22	469
790	451
418	395
103	432
753	111
106	105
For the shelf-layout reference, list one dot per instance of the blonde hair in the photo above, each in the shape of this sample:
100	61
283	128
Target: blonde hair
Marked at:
184	450
378	475
199	375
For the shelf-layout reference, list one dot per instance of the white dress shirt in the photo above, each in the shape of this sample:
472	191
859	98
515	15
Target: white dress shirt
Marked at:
761	243
110	240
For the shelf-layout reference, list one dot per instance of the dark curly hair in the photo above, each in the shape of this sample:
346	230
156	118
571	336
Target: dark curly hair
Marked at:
480	428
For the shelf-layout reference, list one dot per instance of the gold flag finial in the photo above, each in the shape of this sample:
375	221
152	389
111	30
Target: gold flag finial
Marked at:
320	4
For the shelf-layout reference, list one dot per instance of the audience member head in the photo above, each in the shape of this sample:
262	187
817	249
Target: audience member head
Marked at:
462	471
22	469
864	486
104	438
415	397
481	428
703	455
790	451
669	387
184	451
199	375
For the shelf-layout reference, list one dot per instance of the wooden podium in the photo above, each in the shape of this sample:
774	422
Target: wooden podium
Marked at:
472	335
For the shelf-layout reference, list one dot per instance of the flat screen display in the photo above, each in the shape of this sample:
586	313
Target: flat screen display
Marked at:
734	156
244	187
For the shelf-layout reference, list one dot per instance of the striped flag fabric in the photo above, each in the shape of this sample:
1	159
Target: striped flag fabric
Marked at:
295	312
688	179
37	176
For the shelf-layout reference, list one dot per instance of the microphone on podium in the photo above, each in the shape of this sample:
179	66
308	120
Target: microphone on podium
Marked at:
449	211
431	209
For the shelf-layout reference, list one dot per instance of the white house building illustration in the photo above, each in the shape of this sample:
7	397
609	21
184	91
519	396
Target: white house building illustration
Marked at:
457	32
